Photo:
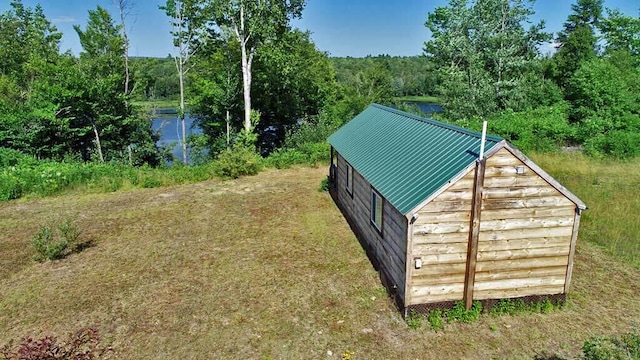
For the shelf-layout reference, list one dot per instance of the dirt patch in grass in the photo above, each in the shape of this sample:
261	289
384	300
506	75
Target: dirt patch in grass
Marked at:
260	267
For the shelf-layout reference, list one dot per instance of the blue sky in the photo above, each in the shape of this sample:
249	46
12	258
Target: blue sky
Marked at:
340	27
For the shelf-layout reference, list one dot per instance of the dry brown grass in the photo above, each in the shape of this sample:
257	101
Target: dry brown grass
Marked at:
261	267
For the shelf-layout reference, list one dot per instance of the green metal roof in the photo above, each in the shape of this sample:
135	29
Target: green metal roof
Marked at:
406	158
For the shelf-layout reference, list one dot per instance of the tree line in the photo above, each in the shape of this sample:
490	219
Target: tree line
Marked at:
254	82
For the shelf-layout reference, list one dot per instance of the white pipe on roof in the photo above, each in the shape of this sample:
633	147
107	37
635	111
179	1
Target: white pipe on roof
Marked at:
484	139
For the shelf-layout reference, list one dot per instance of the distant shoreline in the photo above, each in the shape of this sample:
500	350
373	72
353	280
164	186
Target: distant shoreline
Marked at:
427	99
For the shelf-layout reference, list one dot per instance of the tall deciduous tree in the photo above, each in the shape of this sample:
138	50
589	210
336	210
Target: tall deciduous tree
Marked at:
188	30
27	40
29	66
102	45
216	87
124	10
621	33
98	100
294	79
254	23
484	54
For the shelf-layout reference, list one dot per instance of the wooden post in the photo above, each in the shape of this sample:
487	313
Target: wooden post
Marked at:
474	233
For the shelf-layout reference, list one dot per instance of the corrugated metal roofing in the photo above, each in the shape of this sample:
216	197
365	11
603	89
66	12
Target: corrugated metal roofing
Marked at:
406	158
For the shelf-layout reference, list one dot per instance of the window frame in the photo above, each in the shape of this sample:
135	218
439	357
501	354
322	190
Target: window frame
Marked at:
375	196
349	180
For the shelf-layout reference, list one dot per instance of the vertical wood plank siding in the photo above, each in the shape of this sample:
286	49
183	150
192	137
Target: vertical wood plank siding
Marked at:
388	248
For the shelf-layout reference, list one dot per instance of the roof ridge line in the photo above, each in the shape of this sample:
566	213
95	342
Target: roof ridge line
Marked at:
437	123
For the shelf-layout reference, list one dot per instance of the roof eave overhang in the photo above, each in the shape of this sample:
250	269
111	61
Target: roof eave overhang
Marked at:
454	180
543	174
520	156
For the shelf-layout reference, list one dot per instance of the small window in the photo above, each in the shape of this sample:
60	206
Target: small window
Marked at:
349	180
376	210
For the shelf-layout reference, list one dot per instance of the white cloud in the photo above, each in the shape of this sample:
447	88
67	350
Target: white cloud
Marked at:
64	19
549	48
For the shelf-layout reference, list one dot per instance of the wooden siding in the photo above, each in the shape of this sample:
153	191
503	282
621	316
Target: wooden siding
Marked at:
388	248
525	233
526	228
440	238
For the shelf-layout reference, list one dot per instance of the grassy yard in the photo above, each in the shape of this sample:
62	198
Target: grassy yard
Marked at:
265	267
611	191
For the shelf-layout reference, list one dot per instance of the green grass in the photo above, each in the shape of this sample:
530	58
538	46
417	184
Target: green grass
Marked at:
26	177
423	99
52	178
611	190
266	267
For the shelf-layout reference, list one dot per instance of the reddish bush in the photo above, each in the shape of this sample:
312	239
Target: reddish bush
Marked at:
84	344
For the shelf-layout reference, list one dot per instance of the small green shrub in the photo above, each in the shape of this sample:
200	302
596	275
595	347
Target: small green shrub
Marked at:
149	182
541	129
316	153
460	313
519	306
313	130
617	144
546	306
414	319
285	158
305	154
238	161
51	242
324	185
11	157
601	348
10	186
435	319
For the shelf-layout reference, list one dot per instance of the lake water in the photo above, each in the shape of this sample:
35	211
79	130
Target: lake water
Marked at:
170	129
167	123
429	108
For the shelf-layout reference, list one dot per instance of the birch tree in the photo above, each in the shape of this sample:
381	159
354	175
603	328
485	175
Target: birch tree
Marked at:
124	10
253	23
188	30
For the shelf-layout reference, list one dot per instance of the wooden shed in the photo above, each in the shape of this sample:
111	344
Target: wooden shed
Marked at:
442	224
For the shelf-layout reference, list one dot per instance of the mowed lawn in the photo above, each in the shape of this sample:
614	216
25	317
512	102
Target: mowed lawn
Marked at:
263	267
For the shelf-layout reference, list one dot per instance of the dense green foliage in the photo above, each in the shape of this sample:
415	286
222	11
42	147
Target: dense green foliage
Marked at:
585	95
438	317
61	115
25	176
486	59
55	106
